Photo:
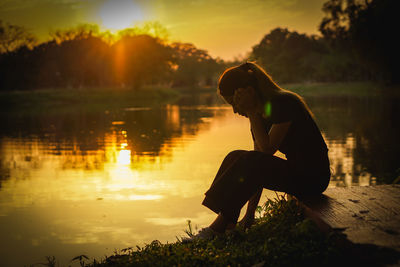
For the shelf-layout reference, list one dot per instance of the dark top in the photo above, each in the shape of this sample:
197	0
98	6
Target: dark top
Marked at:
303	144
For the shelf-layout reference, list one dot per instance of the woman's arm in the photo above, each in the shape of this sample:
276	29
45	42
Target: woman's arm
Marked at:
263	141
267	142
255	147
248	218
245	101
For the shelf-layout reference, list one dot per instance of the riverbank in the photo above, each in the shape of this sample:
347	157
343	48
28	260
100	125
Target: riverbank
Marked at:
339	89
109	98
64	100
350	89
282	236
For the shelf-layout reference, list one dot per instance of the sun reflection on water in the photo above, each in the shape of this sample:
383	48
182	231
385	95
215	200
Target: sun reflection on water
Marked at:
124	189
124	157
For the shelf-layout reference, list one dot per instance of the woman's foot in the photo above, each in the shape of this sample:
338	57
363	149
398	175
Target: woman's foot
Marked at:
220	224
204	234
217	227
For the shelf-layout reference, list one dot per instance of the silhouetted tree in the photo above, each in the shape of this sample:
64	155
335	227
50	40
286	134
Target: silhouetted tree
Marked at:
75	63
193	66
364	31
82	31
290	56
154	29
13	37
140	59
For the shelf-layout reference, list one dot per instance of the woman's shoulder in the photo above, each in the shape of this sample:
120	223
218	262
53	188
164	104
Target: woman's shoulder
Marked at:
288	98
284	107
288	95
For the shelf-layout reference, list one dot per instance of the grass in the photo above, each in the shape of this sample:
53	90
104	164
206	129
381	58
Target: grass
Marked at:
59	100
281	236
100	98
355	89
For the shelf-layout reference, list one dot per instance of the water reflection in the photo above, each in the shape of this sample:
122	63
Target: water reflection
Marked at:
345	172
362	137
91	182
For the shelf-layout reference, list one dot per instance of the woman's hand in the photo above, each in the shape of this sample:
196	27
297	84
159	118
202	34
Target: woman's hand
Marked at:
245	100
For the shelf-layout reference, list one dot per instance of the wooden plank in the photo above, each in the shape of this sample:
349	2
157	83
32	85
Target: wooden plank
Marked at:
367	215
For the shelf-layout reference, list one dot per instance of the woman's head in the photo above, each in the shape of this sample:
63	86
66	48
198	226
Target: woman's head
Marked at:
234	78
251	75
243	76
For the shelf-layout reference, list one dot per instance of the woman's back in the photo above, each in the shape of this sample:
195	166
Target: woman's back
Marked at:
303	138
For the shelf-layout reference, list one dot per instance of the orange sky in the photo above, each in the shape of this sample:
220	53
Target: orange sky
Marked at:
226	28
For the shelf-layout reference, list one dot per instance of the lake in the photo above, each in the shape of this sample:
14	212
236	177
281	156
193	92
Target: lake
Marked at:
90	183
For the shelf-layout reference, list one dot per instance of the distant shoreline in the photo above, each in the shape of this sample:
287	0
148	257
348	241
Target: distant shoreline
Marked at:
350	89
93	99
59	100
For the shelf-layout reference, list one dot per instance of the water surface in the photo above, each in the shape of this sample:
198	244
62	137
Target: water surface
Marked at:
92	182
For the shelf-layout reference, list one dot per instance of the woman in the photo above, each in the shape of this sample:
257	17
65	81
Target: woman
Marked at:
280	120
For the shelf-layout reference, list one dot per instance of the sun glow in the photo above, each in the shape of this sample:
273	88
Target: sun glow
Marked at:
124	157
120	14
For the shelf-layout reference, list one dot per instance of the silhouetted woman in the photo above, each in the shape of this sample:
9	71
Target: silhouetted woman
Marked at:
280	120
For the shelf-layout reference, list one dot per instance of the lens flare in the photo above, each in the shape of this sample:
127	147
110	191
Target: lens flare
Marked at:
267	109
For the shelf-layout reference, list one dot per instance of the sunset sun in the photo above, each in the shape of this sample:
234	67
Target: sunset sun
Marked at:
120	14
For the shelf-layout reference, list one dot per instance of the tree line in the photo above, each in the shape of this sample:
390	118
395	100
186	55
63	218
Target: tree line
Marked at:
83	57
357	42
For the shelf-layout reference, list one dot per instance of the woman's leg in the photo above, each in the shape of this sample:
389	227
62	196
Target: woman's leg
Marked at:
234	185
220	224
228	162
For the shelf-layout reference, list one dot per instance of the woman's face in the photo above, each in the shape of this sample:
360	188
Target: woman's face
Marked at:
236	109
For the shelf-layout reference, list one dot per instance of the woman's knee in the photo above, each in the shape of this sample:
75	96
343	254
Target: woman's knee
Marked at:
235	154
258	157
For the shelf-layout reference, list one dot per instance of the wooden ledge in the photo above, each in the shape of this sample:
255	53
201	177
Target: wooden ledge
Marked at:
365	214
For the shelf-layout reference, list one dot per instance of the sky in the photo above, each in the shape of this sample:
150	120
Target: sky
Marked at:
225	28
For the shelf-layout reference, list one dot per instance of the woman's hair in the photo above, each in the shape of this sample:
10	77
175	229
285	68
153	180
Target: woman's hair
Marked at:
244	75
250	74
